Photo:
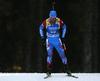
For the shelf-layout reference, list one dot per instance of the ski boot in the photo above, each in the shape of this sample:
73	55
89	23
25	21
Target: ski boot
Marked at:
67	70
48	70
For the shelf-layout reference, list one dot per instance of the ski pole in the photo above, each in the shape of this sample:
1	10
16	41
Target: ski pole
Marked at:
64	46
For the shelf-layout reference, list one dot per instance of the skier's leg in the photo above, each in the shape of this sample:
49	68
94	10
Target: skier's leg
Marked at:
49	57
67	70
60	50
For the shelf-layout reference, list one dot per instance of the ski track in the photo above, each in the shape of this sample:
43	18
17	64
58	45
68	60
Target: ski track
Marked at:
54	77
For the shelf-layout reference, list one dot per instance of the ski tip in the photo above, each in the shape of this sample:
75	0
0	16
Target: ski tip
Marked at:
73	76
76	77
47	77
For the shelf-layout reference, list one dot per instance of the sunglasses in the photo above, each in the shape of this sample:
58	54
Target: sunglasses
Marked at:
52	17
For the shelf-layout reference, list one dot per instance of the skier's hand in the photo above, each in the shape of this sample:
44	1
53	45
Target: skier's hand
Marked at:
63	40
43	40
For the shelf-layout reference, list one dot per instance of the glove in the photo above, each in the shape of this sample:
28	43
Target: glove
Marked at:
43	40
63	40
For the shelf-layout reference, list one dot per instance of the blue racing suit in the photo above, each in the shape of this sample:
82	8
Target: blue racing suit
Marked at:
53	38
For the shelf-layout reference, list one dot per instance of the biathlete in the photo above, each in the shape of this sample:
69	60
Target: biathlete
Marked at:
53	24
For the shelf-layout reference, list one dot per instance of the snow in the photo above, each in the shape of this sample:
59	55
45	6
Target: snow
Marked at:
55	77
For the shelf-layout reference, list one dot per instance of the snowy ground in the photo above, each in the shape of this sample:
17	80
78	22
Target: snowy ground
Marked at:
55	77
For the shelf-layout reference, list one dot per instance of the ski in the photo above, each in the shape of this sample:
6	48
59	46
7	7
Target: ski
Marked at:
47	77
72	76
67	75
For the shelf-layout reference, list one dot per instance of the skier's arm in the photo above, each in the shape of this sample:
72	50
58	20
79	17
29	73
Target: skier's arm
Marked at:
63	28
42	26
63	31
41	30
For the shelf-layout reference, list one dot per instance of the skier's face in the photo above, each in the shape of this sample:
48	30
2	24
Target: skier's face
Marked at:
52	19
